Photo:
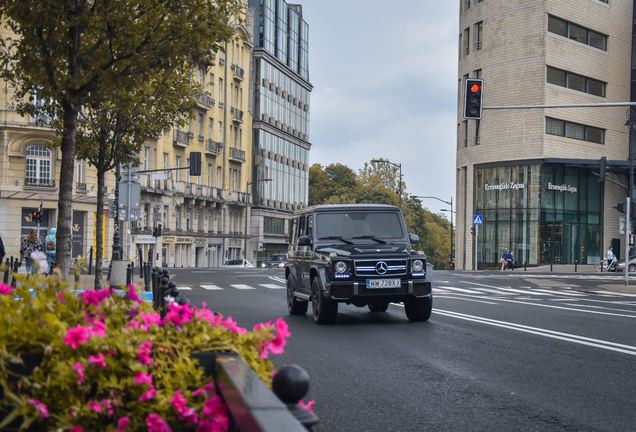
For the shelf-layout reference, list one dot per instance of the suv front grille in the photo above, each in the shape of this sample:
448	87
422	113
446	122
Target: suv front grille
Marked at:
375	267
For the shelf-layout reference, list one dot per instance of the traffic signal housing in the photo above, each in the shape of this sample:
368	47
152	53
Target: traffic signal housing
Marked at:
157	231
620	207
602	169
473	98
472	230
37	216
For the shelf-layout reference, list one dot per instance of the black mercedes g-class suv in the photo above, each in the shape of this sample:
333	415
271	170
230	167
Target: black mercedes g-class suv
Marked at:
357	254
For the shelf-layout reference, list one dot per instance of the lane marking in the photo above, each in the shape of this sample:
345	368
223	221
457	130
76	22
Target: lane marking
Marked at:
184	288
597	343
560	292
211	287
612	293
272	286
463	290
242	287
461	298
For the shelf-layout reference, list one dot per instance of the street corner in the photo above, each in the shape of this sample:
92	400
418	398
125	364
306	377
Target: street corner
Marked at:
619	288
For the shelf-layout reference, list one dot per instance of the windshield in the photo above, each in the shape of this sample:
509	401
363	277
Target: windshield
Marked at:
234	262
278	258
359	224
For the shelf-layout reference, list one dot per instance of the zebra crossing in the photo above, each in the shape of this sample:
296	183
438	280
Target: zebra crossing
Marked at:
554	293
280	284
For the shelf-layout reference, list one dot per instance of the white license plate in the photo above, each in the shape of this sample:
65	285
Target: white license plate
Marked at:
383	283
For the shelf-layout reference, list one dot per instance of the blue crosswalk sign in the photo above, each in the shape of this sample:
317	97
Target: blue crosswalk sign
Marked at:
478	220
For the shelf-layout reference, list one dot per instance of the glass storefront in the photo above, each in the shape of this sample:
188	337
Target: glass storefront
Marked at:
545	213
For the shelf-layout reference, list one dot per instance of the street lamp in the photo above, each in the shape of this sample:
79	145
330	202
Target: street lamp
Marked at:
399	165
450	203
246	206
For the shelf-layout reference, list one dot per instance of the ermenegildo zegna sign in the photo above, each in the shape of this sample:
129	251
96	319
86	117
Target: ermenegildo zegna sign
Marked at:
562	188
505	186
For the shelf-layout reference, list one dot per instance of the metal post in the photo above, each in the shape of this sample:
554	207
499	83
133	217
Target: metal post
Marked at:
627	233
5	277
476	243
141	262
90	261
451	233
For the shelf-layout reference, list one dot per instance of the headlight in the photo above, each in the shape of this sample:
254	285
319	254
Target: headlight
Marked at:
281	265
340	267
417	266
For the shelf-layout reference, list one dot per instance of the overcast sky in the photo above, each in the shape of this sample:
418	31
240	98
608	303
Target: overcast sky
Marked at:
385	86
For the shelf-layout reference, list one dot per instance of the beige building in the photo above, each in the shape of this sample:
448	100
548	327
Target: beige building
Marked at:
529	172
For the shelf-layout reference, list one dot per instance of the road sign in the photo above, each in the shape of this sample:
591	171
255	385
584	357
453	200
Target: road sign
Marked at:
135	197
478	220
157	204
213	248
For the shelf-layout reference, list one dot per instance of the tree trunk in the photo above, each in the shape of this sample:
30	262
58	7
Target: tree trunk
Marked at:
65	203
99	252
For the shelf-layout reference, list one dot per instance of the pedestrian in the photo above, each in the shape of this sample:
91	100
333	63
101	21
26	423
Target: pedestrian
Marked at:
504	256
2	251
510	260
51	246
30	244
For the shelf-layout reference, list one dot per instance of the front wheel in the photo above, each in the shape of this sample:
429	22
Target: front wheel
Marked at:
294	306
598	265
325	311
632	268
419	309
379	306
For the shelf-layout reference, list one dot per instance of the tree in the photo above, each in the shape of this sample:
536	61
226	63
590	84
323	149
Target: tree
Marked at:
114	132
75	52
319	185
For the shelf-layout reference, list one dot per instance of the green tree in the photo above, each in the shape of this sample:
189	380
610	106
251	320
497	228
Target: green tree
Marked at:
342	179
319	185
75	52
114	132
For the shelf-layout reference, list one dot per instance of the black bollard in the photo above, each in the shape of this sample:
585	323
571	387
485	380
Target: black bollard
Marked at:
163	291
172	289
16	265
183	301
153	283
5	277
90	261
291	384
141	263
128	275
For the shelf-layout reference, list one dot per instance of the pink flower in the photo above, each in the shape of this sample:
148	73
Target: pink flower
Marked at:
143	378
144	352
213	425
134	324
231	326
122	423
178	315
308	406
79	368
77	335
212	406
150	320
157	424
44	411
108	407
97	361
77	429
179	402
99	329
207	390
60	297
150	394
5	289
94	406
131	295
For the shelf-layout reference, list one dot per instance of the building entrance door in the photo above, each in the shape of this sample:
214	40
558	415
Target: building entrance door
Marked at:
571	244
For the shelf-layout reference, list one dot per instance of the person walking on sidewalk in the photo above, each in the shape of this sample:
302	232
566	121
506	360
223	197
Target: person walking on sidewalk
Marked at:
502	262
51	247
30	244
510	261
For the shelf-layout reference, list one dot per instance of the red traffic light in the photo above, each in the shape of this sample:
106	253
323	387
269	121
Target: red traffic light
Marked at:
475	88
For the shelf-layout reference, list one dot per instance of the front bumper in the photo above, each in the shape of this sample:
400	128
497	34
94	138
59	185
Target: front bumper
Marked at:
352	290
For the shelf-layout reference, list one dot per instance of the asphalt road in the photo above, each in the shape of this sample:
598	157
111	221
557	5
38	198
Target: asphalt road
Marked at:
509	351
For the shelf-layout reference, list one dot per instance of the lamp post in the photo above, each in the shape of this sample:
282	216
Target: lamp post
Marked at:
450	203
247	204
399	165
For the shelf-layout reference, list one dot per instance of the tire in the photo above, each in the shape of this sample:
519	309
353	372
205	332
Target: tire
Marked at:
294	306
419	309
632	268
598	265
324	311
379	306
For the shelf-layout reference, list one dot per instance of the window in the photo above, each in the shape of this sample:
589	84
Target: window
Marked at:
220	90
177	220
177	164
219	132
165	160
210	128
209	175
575	82
480	34
38	166
273	225
218	177
574	130
467	41
576	33
146	152
201	72
188	180
188	219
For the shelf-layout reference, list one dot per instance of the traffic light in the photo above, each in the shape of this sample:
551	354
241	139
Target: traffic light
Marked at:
195	163
37	216
158	231
473	98
602	168
620	207
472	230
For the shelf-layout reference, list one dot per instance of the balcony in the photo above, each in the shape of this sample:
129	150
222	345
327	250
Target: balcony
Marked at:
213	147
181	138
39	182
238	72
40	120
80	186
237	155
237	115
204	102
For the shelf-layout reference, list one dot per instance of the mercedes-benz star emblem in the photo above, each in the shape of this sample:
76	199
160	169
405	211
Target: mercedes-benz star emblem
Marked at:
381	268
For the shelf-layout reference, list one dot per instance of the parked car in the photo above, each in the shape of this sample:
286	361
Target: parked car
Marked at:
275	261
357	254
620	265
238	263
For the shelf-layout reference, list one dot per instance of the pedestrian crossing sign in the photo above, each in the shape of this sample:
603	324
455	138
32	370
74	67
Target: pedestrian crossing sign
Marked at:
478	220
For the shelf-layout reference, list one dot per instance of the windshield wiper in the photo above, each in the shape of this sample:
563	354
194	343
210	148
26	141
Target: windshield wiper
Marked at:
370	237
344	240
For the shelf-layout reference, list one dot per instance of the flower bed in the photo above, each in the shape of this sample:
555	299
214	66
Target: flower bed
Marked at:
110	363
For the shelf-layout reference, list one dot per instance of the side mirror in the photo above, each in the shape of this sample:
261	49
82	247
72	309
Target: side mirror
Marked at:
414	238
304	240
